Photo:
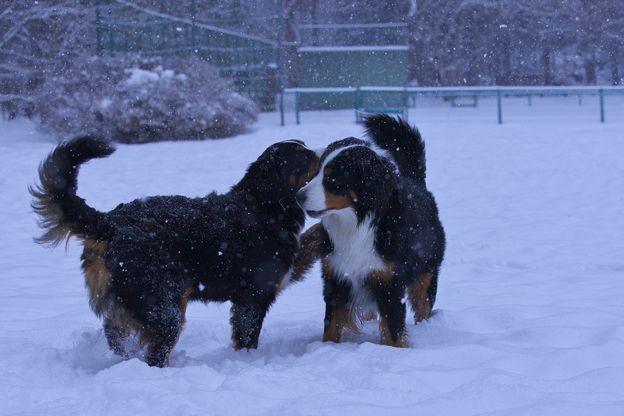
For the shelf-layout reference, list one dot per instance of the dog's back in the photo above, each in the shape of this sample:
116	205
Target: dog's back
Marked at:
422	235
418	206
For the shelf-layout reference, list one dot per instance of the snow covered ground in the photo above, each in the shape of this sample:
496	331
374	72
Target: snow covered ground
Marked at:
530	312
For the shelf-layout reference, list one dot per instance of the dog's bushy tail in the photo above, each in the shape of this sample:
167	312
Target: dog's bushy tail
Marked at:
403	142
61	212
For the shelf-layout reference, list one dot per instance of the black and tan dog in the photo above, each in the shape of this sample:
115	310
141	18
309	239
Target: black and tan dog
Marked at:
380	234
144	260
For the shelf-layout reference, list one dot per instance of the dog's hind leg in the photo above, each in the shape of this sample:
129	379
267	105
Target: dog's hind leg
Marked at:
422	295
161	337
246	320
162	324
115	335
392	312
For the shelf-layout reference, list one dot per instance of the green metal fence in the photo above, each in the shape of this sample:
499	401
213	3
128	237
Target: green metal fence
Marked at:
349	55
123	27
348	67
386	97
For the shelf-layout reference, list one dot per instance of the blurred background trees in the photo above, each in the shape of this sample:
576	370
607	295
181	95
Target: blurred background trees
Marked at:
37	40
458	42
452	42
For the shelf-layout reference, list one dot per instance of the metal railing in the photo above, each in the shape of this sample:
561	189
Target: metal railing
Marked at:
443	92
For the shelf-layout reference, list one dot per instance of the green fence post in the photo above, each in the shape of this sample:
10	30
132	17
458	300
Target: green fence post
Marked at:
357	103
602	115
281	107
297	120
406	103
499	101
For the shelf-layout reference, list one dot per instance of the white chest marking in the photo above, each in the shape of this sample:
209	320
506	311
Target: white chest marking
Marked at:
354	256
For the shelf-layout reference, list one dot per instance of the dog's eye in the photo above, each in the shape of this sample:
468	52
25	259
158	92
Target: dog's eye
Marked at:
335	181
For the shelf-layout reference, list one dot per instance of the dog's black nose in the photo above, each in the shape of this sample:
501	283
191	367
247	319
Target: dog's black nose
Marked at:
301	197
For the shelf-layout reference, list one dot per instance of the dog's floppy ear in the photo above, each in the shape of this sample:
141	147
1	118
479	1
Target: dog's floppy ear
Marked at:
267	164
377	182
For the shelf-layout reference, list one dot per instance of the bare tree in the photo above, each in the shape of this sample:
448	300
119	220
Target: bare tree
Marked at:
38	39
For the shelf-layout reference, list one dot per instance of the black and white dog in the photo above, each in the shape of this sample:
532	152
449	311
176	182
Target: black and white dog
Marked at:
383	237
144	260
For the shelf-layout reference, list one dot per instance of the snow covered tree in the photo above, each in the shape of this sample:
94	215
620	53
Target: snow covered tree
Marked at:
133	99
503	42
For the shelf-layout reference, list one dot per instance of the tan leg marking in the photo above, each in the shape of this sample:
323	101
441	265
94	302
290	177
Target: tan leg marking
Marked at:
342	318
386	338
184	302
326	269
310	245
383	276
418	295
97	276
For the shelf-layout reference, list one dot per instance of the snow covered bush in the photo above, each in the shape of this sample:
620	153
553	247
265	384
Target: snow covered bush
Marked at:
134	99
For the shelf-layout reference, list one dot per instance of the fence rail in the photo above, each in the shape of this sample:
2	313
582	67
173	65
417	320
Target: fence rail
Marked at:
498	92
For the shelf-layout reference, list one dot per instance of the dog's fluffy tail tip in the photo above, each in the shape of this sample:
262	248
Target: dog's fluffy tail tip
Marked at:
403	141
62	213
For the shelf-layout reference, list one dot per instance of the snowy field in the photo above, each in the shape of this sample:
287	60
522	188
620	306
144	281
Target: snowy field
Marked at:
530	312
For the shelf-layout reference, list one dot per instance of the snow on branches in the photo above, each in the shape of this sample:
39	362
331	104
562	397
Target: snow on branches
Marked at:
134	99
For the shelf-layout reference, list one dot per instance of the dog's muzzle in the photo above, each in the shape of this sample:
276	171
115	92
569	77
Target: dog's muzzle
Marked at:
301	197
